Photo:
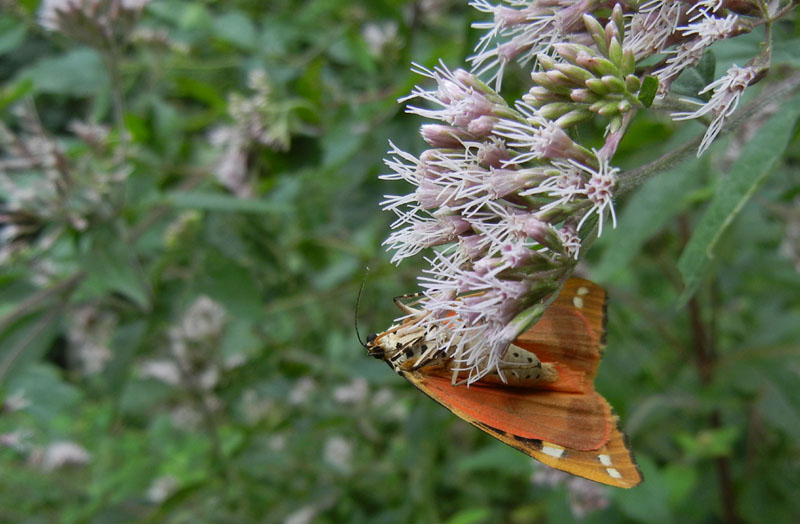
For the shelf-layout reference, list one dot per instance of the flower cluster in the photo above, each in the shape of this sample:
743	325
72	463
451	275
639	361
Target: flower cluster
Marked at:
675	33
259	120
96	22
89	337
505	193
43	192
194	364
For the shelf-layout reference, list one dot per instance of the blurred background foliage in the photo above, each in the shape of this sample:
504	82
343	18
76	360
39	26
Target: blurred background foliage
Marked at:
177	300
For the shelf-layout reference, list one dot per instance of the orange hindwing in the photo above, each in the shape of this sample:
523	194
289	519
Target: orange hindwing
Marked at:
563	422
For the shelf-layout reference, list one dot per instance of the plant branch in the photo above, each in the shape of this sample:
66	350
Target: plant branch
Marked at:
32	302
704	343
636	177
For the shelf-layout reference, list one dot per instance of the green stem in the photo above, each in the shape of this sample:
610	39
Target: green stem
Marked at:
112	58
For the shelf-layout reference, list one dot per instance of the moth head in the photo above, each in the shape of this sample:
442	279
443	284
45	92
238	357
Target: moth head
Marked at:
374	349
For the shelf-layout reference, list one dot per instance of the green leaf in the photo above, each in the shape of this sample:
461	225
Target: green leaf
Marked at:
229	282
692	81
237	29
778	400
48	394
757	159
706	67
470	516
647	212
25	341
14	92
208	201
709	443
494	457
112	267
648	91
126	341
680	480
12	34
79	72
646	502
785	51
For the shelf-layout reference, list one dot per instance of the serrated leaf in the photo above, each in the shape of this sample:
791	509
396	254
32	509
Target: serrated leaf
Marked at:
757	159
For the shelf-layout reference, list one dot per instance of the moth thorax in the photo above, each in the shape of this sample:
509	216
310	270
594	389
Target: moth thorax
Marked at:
400	343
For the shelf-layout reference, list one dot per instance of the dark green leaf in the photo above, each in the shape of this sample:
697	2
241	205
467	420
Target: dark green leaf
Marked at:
79	72
207	201
236	28
646	502
648	91
757	159
470	516
15	92
646	213
111	267
12	34
693	80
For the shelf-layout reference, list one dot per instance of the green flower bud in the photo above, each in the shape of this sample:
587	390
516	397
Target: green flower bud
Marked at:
596	30
632	83
584	96
597	86
577	74
603	67
576	116
554	110
615	52
614	84
609	109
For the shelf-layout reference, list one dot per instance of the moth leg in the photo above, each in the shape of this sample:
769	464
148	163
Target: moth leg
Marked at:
406	308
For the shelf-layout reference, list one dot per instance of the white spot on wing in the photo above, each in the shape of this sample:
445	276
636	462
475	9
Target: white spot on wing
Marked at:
612	472
604	460
583	291
577	302
553	452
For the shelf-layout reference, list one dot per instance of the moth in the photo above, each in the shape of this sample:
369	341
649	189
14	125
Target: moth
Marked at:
542	400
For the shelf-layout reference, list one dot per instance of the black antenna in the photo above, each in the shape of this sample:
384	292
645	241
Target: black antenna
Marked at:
358	303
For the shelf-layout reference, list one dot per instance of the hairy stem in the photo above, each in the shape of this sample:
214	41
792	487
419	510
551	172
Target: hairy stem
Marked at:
636	177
